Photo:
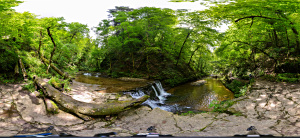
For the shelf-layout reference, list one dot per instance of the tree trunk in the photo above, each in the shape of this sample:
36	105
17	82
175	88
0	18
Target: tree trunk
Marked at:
65	75
182	48
288	42
83	109
41	42
23	69
52	53
72	37
193	55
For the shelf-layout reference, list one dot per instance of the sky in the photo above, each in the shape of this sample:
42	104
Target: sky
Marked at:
91	12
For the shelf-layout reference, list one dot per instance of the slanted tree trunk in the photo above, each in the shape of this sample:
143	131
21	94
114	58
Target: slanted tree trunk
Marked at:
193	55
182	47
83	109
52	53
65	75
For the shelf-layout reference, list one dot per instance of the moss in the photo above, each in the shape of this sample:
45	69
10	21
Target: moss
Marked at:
53	109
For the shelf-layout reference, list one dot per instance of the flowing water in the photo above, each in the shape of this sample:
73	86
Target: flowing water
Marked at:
182	98
187	97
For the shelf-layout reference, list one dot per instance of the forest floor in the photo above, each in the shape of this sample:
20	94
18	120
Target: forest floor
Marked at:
273	108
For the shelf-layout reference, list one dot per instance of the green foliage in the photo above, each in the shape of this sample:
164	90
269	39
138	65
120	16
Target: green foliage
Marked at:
7	78
288	77
41	92
29	86
235	86
8	60
151	42
189	113
221	107
262	34
60	84
282	77
242	91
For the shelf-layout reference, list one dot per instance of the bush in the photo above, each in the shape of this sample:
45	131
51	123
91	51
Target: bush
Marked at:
189	113
29	86
221	107
288	77
60	84
234	86
238	88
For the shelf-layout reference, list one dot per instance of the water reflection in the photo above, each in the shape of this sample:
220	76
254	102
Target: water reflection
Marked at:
199	97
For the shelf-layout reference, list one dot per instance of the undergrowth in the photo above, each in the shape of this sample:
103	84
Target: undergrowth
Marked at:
283	77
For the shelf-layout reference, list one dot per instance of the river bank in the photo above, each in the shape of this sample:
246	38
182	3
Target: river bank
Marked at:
273	108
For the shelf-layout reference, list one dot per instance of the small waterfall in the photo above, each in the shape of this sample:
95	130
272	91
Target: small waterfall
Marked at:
160	94
161	89
154	90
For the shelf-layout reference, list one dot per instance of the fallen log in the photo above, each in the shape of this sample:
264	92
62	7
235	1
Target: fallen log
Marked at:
83	109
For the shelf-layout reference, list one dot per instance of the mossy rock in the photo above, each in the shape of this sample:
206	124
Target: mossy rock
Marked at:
51	107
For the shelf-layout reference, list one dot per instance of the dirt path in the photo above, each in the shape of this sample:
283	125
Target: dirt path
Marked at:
272	107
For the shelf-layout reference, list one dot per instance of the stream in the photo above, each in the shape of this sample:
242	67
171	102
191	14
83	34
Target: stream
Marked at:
182	98
187	97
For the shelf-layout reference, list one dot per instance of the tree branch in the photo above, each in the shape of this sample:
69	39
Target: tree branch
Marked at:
254	17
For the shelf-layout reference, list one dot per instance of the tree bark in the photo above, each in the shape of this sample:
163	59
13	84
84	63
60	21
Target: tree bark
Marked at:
52	53
193	55
182	48
83	109
65	75
23	69
40	43
72	37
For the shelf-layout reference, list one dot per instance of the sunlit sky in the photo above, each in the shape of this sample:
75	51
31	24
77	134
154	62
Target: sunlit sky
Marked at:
91	12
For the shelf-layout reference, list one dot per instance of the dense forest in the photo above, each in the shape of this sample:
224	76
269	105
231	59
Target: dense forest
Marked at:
174	46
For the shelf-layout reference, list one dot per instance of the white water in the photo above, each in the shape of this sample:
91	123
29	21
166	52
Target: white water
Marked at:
160	93
161	89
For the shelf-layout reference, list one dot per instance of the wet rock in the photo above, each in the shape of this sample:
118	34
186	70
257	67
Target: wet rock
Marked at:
125	98
198	83
131	79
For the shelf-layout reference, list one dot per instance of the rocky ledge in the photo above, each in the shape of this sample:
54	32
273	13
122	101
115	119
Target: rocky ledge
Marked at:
273	108
198	82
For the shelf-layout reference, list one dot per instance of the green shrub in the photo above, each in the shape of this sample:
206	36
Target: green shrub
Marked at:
189	113
238	88
288	77
29	86
60	84
221	107
234	86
